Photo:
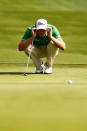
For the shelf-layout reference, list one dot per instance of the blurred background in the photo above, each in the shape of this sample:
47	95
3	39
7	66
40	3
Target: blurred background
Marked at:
69	16
43	102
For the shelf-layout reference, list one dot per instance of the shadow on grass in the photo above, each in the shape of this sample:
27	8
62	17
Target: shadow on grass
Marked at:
20	73
15	73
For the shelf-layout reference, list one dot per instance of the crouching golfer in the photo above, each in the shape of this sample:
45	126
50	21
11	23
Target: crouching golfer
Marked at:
43	40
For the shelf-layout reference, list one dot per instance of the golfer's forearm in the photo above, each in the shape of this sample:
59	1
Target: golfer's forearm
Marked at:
59	43
24	44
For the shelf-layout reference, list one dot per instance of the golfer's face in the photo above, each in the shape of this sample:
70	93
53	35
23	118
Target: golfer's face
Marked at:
41	32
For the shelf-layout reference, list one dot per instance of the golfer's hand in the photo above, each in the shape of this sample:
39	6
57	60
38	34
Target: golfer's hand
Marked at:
33	33
49	32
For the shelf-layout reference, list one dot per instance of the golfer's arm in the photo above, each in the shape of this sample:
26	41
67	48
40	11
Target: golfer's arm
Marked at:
59	43
24	44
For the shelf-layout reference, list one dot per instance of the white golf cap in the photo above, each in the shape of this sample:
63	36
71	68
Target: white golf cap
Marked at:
41	24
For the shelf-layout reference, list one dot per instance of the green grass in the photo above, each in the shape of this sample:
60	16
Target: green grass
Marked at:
43	102
39	5
69	16
72	26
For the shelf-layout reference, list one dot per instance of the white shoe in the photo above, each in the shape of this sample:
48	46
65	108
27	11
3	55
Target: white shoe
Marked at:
40	70
48	70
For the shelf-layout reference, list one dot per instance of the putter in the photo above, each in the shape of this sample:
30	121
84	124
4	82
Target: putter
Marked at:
25	73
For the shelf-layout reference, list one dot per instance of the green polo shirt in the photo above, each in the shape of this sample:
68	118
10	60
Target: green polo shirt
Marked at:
38	41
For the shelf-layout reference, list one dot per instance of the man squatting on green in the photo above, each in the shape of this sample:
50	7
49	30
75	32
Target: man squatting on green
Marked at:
46	43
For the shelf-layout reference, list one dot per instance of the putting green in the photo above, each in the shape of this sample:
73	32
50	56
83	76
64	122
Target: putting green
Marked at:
43	102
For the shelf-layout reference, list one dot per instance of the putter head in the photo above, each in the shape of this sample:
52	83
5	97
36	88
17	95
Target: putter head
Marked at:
25	74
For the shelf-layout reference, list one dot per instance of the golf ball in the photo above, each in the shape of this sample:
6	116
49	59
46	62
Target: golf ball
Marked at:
69	81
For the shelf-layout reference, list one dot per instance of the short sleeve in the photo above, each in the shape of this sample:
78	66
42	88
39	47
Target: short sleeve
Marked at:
27	34
56	33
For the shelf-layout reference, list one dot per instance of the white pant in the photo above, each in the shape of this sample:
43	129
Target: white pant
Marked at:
49	51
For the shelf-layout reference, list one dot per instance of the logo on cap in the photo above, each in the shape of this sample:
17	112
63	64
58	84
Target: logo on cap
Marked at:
41	24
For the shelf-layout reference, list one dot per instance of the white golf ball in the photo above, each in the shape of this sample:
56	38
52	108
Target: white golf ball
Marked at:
69	81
